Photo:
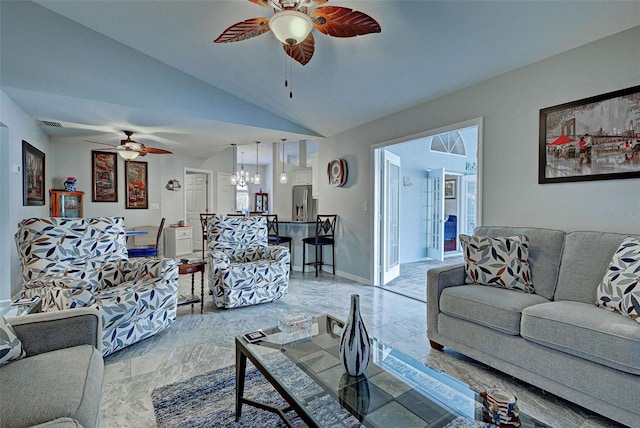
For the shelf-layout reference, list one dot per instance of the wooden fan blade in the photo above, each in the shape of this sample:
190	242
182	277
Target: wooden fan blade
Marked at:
303	51
155	151
339	21
263	3
317	2
244	30
113	146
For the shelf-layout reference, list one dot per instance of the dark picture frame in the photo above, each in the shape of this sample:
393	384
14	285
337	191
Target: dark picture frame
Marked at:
450	189
596	138
33	175
136	185
104	176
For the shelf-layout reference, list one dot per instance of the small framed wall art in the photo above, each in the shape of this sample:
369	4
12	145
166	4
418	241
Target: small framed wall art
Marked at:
136	185
104	176
450	189
33	167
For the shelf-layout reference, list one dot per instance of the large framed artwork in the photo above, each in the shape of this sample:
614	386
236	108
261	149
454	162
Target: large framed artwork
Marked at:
32	175
136	185
104	176
596	138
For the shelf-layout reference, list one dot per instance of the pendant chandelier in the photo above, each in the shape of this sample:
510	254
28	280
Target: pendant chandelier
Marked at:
241	177
283	174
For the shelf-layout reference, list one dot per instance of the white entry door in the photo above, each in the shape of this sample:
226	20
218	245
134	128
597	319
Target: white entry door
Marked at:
196	190
435	214
225	194
390	217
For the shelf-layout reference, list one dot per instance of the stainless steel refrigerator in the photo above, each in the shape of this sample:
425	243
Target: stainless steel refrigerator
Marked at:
303	206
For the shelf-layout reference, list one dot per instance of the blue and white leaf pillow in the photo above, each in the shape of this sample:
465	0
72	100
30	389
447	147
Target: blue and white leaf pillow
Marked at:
620	287
10	345
499	262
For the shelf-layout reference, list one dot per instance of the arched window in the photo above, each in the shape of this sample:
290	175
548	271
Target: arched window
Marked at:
450	142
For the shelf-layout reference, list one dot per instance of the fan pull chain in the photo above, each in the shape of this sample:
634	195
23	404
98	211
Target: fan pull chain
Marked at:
291	80
286	72
288	76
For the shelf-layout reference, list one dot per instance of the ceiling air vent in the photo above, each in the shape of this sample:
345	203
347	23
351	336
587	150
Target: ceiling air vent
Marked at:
50	123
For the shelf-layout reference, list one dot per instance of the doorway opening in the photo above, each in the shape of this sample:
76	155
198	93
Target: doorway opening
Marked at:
197	199
426	193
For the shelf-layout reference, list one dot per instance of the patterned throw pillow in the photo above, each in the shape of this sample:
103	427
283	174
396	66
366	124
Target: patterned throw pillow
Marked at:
620	287
501	262
10	345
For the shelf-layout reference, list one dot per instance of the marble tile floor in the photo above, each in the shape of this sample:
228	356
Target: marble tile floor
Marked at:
412	281
197	343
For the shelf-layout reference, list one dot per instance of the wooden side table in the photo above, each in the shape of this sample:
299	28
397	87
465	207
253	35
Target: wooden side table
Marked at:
192	268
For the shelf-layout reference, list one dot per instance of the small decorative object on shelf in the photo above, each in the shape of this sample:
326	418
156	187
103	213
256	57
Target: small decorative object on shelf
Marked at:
70	184
355	347
294	321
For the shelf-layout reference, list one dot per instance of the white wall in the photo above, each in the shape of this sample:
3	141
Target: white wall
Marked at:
510	107
19	127
72	157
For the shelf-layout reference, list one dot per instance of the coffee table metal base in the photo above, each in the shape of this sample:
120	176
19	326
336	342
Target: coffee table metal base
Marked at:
241	370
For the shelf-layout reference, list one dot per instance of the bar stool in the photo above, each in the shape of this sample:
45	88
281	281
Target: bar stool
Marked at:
325	234
204	217
273	233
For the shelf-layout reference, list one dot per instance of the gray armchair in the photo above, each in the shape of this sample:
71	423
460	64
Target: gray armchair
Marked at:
59	382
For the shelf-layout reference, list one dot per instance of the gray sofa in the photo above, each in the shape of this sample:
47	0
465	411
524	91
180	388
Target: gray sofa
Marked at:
556	339
59	382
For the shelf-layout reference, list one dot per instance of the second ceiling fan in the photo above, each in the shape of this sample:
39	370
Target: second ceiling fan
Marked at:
292	25
130	149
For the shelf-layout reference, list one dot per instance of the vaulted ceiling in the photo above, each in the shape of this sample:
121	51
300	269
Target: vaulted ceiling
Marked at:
98	67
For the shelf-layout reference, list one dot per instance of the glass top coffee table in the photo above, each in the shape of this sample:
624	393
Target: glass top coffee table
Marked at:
396	391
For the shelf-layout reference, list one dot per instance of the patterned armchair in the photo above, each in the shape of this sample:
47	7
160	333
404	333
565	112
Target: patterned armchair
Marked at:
83	262
243	269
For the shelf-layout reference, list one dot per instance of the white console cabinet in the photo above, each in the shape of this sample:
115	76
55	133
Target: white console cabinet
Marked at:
178	241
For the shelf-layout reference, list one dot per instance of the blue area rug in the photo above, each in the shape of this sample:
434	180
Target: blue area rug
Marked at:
208	400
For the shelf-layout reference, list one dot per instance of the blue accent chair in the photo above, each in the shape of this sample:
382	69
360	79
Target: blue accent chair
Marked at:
451	228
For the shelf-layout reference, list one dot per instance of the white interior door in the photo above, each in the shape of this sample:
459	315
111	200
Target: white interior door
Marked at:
469	208
435	214
225	194
196	189
390	217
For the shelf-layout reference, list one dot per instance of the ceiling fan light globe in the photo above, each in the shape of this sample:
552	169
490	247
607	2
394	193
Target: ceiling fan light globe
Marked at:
128	154
290	26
